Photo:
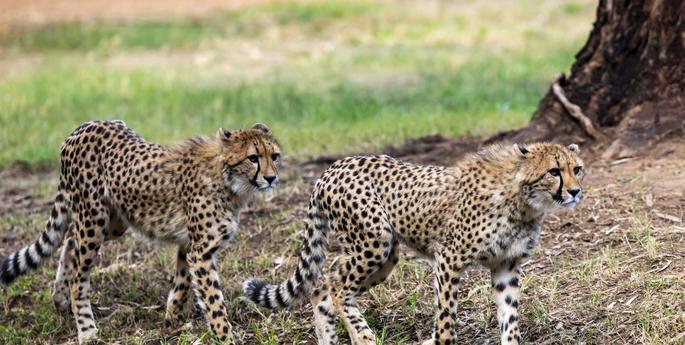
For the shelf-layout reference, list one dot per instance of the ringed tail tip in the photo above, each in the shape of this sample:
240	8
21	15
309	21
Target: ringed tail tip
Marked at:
252	289
6	277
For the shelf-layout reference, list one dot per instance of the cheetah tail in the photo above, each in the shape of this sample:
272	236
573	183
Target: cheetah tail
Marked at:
29	257
307	272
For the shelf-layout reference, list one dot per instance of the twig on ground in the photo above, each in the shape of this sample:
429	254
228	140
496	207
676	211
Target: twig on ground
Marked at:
674	219
658	270
574	110
621	161
612	229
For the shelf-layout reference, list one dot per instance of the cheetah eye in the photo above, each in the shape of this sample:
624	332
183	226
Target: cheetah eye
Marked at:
554	172
253	158
275	156
577	170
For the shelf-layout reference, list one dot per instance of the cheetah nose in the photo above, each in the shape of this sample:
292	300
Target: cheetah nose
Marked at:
270	179
574	192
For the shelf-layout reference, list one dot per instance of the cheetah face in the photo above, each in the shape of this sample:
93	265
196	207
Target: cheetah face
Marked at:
553	176
250	159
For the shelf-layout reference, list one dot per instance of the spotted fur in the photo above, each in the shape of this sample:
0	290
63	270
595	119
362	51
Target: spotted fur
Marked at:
487	210
190	194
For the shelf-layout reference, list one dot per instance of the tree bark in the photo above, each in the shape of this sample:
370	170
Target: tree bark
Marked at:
628	80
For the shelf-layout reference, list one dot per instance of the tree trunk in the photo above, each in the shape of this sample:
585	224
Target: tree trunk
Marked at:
628	80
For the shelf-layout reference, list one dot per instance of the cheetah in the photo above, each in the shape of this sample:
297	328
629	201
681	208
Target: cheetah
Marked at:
189	194
487	209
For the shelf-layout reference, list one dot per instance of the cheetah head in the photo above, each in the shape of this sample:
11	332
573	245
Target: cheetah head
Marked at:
550	175
250	158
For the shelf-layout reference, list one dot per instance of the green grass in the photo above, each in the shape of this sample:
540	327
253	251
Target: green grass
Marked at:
327	77
182	32
480	96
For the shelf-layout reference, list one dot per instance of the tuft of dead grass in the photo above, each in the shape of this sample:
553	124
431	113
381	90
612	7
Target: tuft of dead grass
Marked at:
610	271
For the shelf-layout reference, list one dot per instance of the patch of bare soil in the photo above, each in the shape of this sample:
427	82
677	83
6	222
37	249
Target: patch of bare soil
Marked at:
610	271
17	186
431	150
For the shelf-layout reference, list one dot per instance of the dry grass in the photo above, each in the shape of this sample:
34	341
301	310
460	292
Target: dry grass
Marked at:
609	272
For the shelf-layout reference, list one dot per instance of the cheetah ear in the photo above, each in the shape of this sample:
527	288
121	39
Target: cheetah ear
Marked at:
262	127
223	134
521	149
573	148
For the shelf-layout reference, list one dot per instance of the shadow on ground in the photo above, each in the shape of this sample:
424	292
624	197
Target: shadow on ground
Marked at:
610	271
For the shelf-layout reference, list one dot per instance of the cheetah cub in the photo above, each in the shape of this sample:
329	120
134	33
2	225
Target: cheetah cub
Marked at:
190	195
487	209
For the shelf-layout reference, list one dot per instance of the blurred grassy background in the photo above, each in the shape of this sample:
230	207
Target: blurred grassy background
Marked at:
327	77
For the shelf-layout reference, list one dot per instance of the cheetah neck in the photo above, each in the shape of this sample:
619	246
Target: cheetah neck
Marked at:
199	155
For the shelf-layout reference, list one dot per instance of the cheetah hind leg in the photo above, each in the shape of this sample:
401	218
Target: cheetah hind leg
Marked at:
385	268
67	263
92	228
325	319
354	278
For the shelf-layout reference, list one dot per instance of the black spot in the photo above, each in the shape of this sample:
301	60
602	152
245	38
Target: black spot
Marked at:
514	282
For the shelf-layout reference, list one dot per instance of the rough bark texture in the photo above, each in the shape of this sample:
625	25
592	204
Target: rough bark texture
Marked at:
628	79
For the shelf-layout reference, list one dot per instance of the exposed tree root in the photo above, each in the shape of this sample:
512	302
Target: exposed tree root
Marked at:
575	110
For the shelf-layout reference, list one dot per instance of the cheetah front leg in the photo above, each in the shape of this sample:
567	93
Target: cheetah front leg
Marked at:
505	281
448	269
207	240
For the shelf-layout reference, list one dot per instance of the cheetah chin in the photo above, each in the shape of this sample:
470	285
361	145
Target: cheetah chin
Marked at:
190	194
486	210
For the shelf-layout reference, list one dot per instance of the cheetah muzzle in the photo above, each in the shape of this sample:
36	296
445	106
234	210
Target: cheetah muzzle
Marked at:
487	209
190	194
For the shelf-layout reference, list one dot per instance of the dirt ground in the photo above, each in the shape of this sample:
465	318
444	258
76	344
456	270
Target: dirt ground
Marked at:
29	13
612	270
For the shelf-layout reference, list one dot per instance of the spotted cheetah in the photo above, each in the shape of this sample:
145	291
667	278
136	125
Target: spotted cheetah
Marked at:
486	209
190	194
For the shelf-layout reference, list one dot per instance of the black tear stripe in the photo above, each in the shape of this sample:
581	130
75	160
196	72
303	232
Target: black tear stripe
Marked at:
254	179
561	184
